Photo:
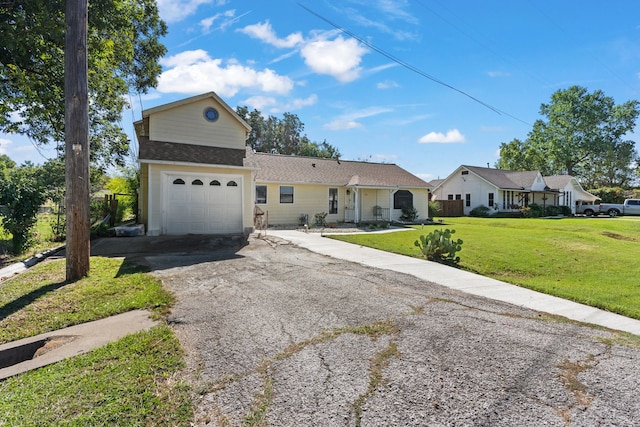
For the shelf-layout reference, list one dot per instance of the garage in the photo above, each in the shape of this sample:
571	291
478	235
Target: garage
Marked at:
203	204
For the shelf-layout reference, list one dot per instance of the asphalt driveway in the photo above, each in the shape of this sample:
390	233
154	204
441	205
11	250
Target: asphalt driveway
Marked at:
277	335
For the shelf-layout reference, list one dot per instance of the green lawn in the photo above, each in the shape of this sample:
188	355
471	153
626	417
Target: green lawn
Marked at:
133	381
590	260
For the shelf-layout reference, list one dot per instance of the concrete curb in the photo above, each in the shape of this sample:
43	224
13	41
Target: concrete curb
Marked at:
19	267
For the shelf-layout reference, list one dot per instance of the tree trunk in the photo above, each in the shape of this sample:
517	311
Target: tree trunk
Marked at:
76	139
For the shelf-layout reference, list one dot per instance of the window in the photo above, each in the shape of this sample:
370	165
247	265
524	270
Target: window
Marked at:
450	197
178	181
333	201
458	196
261	194
232	184
402	199
467	200
196	182
491	202
215	182
465	172
286	194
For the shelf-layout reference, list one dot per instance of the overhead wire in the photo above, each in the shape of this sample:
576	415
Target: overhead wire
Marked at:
409	66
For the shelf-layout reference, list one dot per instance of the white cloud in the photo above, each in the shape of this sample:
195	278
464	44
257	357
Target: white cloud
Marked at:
451	137
339	58
265	33
341	124
259	102
195	72
177	10
227	18
387	84
4	145
350	120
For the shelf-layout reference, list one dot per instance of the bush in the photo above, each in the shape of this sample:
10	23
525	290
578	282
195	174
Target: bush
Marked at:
409	214
565	210
480	211
434	208
535	210
552	211
438	246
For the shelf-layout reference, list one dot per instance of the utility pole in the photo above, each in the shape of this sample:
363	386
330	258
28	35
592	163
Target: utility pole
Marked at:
76	130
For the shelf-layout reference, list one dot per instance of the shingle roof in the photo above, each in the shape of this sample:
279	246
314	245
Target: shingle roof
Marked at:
312	170
557	182
189	153
505	179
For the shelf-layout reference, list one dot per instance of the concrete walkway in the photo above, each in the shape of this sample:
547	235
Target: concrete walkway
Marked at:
459	279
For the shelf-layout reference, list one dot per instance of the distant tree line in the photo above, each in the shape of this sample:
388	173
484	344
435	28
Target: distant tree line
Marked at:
283	135
583	135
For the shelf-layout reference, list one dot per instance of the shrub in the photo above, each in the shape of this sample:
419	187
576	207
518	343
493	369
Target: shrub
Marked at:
409	214
552	211
440	247
480	211
565	210
535	210
434	208
525	211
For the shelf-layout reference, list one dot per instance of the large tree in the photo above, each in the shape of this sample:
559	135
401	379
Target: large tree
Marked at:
581	133
124	50
282	136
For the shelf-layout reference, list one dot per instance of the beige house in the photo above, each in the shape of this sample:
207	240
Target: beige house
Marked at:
198	177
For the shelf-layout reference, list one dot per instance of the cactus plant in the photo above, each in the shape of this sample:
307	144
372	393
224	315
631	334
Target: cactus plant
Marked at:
440	247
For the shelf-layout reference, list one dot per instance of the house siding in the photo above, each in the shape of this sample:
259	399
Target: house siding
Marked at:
186	124
310	199
156	174
471	184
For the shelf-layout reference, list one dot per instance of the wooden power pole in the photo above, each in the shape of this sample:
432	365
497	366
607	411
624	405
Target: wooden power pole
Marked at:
76	130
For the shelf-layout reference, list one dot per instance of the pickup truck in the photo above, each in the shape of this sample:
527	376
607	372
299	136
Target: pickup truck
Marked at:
587	209
629	207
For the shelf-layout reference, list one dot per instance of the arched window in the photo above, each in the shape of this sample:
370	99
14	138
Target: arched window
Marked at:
196	182
178	181
232	184
402	199
215	182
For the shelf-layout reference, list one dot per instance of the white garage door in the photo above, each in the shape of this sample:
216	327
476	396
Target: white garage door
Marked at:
203	204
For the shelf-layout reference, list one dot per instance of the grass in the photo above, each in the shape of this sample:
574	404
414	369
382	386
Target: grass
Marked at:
42	241
40	300
588	260
133	381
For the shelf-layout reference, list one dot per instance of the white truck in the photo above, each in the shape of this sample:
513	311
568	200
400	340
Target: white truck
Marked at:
629	207
587	209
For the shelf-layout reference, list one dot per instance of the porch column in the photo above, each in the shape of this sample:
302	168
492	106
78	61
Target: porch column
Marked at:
356	210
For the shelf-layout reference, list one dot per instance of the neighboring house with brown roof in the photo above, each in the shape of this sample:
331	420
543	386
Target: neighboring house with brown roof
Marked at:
197	176
508	191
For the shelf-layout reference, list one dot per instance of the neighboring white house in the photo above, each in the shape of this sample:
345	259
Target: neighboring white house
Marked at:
508	191
198	177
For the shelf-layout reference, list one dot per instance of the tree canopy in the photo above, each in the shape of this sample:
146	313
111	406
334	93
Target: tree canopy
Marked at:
583	136
124	50
283	136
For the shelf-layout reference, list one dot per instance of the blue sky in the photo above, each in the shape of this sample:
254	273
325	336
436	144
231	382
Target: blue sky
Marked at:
376	99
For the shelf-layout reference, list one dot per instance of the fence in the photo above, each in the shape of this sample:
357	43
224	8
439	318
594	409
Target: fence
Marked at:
450	207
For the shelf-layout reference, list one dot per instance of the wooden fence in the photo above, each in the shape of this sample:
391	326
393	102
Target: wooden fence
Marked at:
450	207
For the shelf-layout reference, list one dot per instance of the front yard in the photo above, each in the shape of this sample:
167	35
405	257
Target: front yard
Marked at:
589	260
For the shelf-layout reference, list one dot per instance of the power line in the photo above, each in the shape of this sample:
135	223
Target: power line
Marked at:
409	66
